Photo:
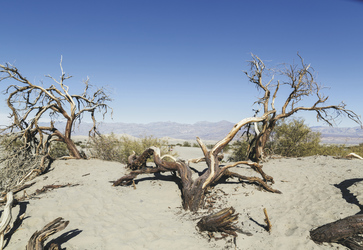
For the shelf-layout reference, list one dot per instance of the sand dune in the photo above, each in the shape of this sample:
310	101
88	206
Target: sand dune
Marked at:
151	217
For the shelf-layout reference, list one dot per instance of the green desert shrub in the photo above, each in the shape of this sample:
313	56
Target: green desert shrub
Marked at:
293	138
358	149
239	151
113	148
186	144
333	150
58	150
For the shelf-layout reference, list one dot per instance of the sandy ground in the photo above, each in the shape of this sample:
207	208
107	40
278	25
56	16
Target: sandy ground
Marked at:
151	217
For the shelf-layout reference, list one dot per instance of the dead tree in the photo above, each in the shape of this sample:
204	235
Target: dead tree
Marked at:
29	103
193	191
300	82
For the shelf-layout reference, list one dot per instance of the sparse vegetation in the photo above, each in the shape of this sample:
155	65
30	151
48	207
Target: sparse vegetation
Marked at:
58	150
293	138
112	148
239	149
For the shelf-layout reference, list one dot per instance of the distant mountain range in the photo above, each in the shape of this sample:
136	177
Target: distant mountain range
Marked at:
209	131
205	130
333	135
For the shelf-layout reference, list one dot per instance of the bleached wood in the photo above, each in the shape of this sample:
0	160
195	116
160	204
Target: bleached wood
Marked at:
6	217
353	155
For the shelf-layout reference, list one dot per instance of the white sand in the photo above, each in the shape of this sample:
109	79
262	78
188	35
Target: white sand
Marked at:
151	217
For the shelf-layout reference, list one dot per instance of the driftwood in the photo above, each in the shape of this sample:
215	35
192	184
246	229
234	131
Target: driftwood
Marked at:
193	190
344	231
6	218
138	162
222	221
43	190
353	155
15	190
36	241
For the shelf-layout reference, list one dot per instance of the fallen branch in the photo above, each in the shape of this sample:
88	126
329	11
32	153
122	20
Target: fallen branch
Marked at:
15	190
6	218
36	241
45	189
253	179
267	220
353	155
51	187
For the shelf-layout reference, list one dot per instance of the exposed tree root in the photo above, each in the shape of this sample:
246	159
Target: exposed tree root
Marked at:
36	242
138	162
222	221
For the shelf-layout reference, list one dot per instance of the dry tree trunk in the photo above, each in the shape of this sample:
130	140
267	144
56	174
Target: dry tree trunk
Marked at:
341	231
36	241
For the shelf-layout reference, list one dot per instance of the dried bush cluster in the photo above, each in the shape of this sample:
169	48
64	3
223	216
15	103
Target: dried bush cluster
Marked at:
17	163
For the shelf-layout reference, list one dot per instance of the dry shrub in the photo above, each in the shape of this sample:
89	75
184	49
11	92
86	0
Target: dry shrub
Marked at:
15	162
113	148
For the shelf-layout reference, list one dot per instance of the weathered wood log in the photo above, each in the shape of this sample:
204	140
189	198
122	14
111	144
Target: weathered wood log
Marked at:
36	241
222	221
139	162
6	218
339	231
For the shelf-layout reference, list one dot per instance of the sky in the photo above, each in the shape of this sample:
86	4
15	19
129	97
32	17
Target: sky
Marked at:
183	61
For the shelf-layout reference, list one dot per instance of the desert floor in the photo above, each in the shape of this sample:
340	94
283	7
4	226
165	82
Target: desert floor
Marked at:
315	191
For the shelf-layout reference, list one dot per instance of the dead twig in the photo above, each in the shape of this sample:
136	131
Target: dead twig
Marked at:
267	220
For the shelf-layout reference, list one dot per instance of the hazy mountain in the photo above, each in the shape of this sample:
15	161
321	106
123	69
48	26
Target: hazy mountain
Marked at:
205	130
351	135
208	131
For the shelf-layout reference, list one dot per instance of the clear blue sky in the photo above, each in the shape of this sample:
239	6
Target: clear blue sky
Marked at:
183	61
